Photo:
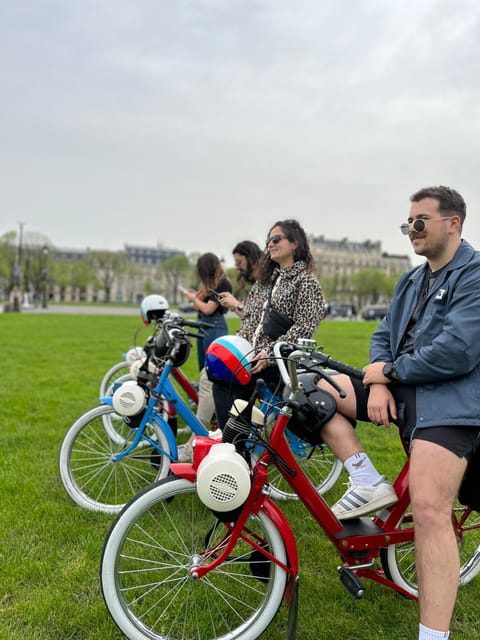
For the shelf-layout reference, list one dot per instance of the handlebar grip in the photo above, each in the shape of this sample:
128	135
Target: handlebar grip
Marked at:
341	367
197	325
199	336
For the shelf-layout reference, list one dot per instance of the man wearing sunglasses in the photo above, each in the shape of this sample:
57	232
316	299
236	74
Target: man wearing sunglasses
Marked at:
425	377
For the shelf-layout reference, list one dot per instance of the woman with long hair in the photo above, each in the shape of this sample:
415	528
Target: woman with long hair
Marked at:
213	282
286	297
246	255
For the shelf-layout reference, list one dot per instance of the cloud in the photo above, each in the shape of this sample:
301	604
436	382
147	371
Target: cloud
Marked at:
198	123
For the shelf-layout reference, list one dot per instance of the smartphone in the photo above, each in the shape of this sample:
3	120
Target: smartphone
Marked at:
181	289
213	293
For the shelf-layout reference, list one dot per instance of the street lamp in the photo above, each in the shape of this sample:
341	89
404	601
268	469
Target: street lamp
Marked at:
16	292
45	276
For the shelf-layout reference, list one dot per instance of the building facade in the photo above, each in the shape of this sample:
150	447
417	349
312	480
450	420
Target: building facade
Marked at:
338	260
140	274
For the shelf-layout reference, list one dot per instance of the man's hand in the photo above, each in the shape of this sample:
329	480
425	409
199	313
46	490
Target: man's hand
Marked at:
374	373
381	405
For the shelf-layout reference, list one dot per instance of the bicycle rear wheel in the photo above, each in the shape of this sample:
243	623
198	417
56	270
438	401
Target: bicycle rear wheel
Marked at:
119	370
398	560
145	570
90	475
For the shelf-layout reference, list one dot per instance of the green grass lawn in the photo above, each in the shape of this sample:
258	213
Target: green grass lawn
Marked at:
50	548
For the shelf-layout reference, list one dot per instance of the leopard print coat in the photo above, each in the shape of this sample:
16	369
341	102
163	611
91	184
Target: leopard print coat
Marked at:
297	294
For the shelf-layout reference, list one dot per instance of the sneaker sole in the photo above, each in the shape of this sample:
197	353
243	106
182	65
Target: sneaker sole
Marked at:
374	505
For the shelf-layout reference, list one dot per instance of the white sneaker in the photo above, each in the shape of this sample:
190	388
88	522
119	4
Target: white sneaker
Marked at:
185	453
360	500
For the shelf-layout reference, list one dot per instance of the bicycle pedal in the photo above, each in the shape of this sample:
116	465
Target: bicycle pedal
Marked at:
351	582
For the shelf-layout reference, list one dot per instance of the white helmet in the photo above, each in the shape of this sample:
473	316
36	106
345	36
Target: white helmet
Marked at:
153	307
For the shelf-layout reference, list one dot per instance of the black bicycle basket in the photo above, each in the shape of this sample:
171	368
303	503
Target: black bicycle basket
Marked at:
177	346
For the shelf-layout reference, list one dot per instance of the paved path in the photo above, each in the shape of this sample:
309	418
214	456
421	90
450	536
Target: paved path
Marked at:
97	309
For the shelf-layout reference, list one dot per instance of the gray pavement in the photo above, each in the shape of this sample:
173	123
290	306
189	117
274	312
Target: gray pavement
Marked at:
97	309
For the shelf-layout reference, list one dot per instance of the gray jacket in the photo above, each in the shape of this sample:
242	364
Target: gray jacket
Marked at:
445	363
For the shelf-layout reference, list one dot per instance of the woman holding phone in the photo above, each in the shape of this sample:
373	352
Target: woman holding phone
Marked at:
246	256
285	303
213	282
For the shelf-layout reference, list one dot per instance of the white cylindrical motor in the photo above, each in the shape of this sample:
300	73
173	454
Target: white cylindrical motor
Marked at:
223	478
129	399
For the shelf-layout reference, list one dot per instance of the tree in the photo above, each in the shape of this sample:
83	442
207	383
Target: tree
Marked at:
7	262
176	269
107	265
370	285
134	286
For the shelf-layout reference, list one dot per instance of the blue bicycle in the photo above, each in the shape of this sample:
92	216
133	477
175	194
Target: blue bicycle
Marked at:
121	446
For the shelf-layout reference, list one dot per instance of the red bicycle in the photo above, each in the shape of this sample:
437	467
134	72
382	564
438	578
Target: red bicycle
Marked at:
207	555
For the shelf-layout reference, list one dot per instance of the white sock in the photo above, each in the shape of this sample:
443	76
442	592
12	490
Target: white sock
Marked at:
425	633
360	469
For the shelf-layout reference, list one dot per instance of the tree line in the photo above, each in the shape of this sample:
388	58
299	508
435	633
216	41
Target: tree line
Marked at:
34	269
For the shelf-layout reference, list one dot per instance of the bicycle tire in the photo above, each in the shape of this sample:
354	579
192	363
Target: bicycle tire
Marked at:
117	370
145	570
88	473
398	560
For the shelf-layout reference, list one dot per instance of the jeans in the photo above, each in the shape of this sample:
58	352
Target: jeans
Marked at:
224	394
218	329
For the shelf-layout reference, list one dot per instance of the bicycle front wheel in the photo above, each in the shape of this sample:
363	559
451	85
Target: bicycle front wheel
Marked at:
90	474
398	560
146	565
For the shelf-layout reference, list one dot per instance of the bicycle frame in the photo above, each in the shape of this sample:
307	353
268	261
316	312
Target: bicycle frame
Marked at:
268	403
358	541
150	554
185	384
165	388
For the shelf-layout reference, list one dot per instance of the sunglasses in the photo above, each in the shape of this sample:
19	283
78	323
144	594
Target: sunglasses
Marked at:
275	239
419	224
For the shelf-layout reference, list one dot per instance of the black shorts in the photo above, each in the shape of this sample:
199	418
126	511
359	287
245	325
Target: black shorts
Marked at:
460	440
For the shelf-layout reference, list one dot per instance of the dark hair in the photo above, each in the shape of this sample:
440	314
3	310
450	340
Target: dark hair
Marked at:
294	233
448	199
252	253
210	270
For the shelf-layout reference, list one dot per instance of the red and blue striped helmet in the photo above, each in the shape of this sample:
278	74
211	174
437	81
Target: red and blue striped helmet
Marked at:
228	360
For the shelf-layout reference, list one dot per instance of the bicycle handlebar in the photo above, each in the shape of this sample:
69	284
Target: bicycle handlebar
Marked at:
177	319
303	357
324	360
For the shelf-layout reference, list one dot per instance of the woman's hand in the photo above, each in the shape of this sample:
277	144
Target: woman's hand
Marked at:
227	300
191	295
259	362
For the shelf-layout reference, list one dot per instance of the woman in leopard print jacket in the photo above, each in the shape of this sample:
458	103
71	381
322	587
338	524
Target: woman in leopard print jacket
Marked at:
287	282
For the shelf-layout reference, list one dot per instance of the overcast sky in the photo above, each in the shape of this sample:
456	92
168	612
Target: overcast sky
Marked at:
196	124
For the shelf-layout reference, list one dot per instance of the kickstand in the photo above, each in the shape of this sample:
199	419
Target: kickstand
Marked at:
293	614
